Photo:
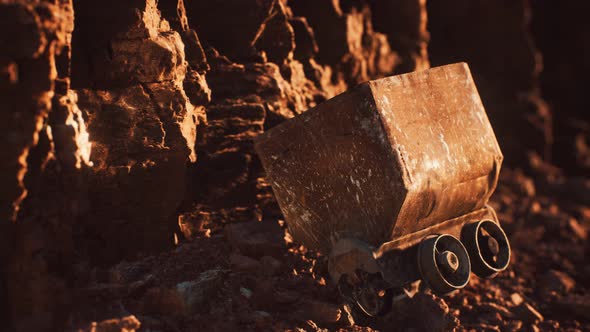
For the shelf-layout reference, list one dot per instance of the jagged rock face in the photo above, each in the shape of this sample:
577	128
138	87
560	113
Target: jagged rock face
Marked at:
505	67
404	23
33	35
347	40
270	64
69	132
232	27
195	85
265	86
129	69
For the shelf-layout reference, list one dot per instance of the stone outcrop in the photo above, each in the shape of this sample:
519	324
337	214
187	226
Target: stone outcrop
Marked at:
42	134
129	69
404	22
32	35
275	59
347	40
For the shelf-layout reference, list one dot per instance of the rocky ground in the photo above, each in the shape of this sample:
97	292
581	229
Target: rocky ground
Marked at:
132	198
251	276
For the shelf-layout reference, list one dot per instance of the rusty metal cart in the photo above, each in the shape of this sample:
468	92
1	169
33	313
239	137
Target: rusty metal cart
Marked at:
391	180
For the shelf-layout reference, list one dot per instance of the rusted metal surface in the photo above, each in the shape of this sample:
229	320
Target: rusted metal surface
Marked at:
389	158
383	175
334	173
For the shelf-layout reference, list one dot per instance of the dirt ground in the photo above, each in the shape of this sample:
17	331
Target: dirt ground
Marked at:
251	276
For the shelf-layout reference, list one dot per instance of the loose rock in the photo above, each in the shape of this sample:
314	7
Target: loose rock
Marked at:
528	314
270	265
124	324
322	312
243	263
196	293
256	239
556	281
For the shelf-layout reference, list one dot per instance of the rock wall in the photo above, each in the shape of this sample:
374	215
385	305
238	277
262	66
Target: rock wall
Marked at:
35	232
269	61
129	69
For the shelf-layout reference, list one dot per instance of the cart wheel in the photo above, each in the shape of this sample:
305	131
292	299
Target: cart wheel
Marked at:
488	247
369	297
444	263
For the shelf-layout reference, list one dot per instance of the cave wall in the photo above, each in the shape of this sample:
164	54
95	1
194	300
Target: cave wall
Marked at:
35	234
119	116
129	69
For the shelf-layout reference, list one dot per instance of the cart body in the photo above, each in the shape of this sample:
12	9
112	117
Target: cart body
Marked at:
386	161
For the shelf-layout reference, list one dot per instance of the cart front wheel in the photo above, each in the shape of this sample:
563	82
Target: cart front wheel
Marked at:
444	263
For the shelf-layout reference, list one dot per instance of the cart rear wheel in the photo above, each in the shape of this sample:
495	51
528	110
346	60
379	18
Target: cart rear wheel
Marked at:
488	247
444	263
369	295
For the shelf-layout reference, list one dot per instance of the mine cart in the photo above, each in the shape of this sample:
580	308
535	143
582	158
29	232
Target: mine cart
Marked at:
391	181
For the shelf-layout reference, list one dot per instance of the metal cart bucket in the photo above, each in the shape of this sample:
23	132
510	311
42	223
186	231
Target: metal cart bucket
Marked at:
391	180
